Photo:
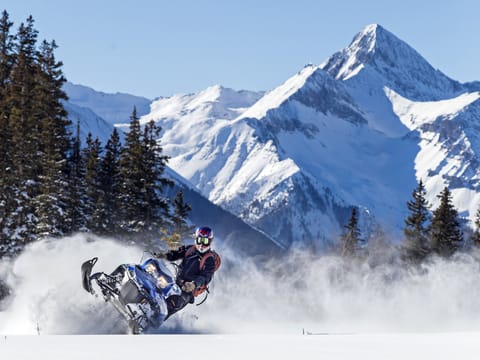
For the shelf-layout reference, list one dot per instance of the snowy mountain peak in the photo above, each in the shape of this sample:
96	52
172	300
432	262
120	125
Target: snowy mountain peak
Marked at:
280	94
229	98
367	38
372	42
213	93
213	103
377	54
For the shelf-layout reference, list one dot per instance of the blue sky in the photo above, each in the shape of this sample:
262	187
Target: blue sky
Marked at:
157	48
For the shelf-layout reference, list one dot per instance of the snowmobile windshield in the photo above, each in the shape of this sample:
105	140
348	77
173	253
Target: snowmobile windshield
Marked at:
160	271
151	269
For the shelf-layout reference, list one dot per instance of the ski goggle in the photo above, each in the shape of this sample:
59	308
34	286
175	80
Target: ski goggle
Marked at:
203	241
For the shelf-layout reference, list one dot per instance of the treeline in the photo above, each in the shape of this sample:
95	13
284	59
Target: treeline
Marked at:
441	232
50	184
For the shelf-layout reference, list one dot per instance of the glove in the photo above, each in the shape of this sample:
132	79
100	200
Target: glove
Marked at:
159	255
188	286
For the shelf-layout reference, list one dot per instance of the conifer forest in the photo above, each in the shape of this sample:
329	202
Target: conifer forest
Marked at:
54	183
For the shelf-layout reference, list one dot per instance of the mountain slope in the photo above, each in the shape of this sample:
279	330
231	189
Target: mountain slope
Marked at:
187	120
228	229
89	122
448	132
403	95
358	130
284	164
113	108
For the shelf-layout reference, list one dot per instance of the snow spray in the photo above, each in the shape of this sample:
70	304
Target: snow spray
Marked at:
322	294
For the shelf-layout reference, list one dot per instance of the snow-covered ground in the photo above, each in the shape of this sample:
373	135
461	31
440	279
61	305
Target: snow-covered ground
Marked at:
459	346
301	306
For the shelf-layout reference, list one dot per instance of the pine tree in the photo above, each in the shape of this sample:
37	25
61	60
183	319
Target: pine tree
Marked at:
6	63
446	233
143	209
76	214
132	176
54	144
110	184
93	191
7	57
476	233
181	228
158	207
6	177
181	209
21	100
351	235
24	130
416	231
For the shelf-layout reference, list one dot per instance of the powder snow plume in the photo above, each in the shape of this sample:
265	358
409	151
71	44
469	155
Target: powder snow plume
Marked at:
298	292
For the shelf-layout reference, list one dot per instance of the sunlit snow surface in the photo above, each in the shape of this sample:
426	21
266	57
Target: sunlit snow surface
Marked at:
464	346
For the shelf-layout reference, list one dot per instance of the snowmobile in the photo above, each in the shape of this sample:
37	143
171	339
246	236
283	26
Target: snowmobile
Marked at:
138	292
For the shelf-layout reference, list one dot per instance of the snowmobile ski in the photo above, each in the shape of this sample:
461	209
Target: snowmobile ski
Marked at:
87	267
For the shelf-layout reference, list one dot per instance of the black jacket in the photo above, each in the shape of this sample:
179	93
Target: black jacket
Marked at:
189	268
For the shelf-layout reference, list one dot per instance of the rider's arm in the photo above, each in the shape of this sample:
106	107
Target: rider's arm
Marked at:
205	275
173	255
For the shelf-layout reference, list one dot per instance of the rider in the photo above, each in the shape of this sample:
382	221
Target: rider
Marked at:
190	276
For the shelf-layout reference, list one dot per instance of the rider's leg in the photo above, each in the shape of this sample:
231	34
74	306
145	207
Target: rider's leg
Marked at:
178	302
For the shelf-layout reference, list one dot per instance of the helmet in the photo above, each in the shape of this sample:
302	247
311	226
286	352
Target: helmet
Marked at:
203	238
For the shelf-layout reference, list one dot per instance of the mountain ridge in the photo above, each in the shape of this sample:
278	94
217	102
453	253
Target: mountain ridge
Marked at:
358	130
113	108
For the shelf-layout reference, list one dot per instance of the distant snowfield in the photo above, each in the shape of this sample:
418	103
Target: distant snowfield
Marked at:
462	346
302	305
